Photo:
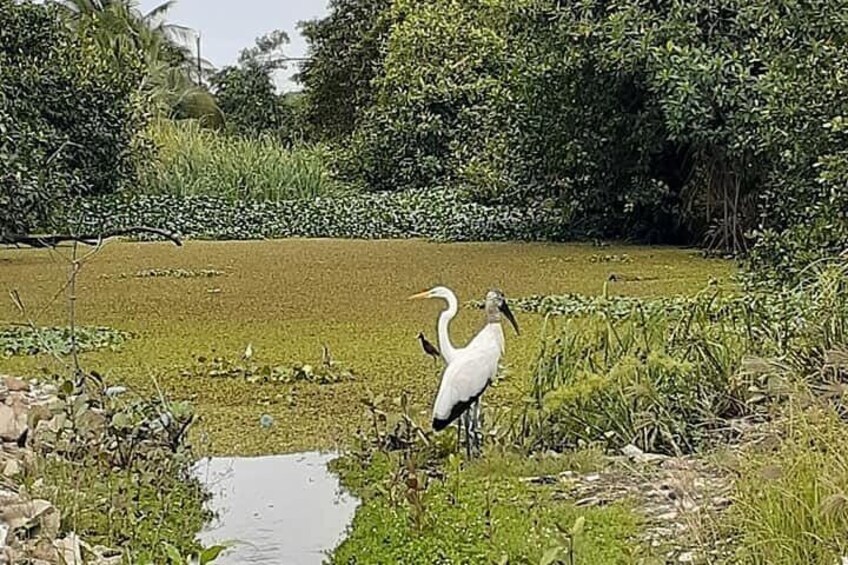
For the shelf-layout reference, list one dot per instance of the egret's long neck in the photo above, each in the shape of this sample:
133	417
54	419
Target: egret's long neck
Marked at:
444	325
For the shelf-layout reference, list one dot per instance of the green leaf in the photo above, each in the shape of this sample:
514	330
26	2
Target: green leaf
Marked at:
173	554
551	556
577	528
211	553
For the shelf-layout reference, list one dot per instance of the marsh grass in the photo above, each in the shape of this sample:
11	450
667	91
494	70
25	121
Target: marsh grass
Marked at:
193	160
424	503
791	501
665	375
653	379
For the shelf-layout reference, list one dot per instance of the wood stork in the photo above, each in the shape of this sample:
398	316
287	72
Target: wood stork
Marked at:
470	369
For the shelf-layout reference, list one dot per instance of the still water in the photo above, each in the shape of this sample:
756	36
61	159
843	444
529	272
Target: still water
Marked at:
281	509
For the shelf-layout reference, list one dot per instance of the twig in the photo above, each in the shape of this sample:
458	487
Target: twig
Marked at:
72	299
43	241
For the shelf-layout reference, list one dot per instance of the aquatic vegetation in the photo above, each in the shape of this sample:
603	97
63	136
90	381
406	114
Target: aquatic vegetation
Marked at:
219	367
58	340
288	297
173	273
435	214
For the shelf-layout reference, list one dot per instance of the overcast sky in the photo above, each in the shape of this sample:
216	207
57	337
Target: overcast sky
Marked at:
227	27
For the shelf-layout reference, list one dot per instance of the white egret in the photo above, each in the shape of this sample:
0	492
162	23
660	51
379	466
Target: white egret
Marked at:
470	369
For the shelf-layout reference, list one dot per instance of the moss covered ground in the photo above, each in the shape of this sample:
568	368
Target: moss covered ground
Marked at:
289	297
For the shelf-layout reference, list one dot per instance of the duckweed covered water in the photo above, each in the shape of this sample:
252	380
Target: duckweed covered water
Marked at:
288	297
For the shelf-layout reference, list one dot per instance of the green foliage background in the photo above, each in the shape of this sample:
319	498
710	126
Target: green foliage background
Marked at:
68	118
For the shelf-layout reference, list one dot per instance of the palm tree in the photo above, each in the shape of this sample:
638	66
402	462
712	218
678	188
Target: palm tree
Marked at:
174	77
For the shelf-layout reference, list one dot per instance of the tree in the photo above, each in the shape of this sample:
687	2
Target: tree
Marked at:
246	93
346	50
172	77
68	119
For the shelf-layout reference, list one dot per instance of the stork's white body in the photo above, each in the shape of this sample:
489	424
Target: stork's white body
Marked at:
469	372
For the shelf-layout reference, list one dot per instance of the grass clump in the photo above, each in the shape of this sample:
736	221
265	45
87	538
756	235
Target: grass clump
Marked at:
665	376
792	495
194	161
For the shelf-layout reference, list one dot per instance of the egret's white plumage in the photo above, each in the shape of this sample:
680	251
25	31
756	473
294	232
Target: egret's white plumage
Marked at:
470	369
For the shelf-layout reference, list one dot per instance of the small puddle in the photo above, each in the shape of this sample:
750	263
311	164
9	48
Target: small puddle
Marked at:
280	509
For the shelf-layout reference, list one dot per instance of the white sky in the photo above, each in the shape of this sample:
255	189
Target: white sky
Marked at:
228	27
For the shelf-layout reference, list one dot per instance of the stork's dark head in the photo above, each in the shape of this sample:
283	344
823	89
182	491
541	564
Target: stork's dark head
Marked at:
496	304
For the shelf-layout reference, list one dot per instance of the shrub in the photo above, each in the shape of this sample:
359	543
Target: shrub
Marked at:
195	161
68	119
439	215
662	374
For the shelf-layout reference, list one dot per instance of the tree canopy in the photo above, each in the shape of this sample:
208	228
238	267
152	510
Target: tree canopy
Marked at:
707	121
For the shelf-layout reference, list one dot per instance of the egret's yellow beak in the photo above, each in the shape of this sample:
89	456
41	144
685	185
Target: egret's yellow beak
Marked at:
425	294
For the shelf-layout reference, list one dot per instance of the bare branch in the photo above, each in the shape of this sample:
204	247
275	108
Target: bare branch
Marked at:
44	241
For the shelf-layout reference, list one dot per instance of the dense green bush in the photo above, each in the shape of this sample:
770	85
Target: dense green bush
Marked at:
440	79
192	160
819	227
248	99
440	215
68	119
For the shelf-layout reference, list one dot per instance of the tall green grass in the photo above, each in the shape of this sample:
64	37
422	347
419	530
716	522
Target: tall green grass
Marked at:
192	160
791	503
662	377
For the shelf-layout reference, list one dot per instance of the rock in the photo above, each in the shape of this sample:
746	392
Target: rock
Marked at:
114	391
69	549
28	514
101	555
15	384
37	413
13	422
635	454
12	468
540	480
589	501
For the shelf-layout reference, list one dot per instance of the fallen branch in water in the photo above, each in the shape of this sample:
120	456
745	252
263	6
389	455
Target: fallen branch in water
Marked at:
43	241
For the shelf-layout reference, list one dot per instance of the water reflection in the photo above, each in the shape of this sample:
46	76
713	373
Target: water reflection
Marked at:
281	509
